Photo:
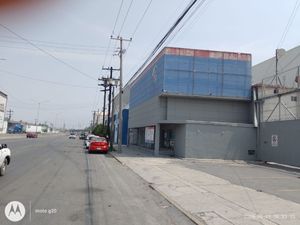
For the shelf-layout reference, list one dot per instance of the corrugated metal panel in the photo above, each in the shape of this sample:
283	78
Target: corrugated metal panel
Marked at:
194	72
211	76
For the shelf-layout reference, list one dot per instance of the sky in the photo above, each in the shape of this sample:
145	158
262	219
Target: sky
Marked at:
70	43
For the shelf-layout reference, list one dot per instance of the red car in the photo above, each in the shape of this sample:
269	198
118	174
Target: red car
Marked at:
31	135
98	144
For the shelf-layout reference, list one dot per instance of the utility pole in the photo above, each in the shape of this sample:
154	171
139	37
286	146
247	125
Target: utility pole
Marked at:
121	52
104	101
111	83
112	131
10	112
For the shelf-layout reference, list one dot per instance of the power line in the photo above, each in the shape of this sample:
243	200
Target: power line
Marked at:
55	50
290	21
165	37
47	53
117	18
44	81
125	18
17	40
139	22
157	36
112	33
190	16
56	46
141	19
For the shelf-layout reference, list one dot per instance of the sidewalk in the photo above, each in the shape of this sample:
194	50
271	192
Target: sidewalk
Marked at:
11	136
205	198
23	135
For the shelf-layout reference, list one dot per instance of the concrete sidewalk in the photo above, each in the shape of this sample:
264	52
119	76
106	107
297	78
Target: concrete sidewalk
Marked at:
209	199
23	135
11	136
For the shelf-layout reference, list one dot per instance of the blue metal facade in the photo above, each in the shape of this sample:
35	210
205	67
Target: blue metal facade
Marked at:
150	84
195	76
207	76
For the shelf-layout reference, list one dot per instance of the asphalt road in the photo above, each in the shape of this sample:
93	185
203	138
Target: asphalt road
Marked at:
59	183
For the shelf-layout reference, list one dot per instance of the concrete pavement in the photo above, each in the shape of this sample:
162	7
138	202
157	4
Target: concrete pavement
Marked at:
211	198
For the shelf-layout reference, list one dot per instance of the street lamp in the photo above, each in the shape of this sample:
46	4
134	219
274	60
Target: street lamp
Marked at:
38	113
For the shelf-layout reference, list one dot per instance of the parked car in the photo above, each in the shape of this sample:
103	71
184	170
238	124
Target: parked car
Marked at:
31	135
5	156
98	144
87	140
72	136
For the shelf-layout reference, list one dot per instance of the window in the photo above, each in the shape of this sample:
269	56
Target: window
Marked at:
293	98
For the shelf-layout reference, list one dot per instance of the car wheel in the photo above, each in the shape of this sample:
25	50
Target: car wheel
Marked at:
3	168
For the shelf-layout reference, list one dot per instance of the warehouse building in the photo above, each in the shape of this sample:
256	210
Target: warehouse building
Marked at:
278	106
196	103
3	102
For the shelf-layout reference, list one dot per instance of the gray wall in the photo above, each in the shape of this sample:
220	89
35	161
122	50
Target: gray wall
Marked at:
179	108
182	108
148	113
288	150
180	142
220	141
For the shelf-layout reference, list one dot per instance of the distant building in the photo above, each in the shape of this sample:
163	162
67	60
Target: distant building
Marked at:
3	103
288	63
283	91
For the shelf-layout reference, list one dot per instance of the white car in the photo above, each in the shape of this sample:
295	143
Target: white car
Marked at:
4	158
72	136
88	139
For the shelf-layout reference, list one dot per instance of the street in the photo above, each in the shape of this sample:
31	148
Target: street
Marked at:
59	183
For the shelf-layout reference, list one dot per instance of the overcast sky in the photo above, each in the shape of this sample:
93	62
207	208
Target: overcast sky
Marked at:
78	32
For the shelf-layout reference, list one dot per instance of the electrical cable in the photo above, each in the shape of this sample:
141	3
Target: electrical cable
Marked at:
5	72
139	22
163	40
112	33
290	21
125	18
117	18
55	50
48	43
47	53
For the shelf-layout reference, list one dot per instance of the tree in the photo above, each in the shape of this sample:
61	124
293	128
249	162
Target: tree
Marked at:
99	130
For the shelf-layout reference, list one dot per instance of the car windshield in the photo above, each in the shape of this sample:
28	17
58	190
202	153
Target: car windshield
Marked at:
100	139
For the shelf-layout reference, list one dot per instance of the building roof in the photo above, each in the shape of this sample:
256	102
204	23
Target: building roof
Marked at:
3	94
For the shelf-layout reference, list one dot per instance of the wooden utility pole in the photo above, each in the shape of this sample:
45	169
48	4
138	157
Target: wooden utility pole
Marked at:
121	52
111	83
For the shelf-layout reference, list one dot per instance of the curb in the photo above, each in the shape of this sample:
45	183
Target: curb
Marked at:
116	158
172	202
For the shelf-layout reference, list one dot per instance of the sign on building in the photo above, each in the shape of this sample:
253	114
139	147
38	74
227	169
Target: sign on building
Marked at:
149	134
274	140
